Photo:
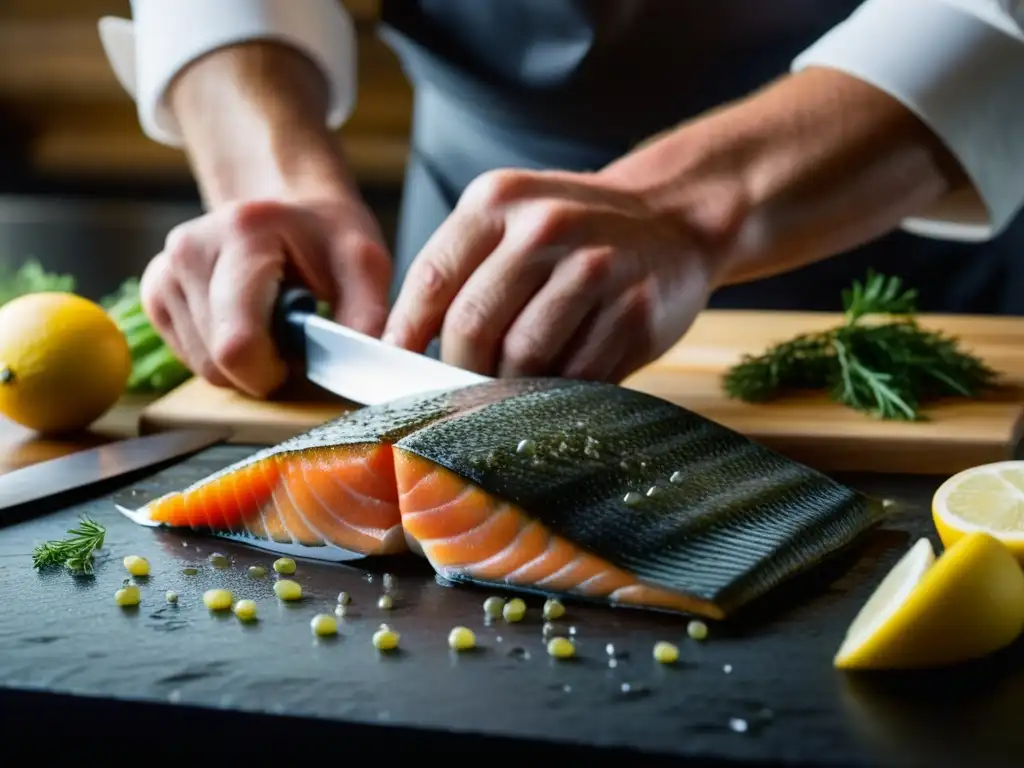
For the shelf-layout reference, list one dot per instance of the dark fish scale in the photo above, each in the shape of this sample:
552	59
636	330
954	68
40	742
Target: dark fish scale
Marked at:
389	422
743	519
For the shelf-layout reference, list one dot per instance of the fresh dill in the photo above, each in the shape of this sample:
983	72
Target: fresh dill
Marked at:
888	368
75	552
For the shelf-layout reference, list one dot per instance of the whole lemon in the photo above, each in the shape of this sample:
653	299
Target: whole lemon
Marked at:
63	362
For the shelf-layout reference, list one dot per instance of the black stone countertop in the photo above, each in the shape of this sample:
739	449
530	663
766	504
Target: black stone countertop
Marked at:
74	666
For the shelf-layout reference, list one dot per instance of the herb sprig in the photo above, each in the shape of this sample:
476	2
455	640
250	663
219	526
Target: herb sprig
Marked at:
888	369
74	553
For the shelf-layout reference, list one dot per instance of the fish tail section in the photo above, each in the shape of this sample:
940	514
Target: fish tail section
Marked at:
466	533
230	503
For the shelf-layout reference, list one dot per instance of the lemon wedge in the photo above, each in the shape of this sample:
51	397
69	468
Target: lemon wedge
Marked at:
987	498
930	612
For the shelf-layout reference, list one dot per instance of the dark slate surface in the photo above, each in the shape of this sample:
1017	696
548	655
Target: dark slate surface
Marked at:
160	675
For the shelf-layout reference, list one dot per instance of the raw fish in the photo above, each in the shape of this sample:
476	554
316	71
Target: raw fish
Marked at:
559	487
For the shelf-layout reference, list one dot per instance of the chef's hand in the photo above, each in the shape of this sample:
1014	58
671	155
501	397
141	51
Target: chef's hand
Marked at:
551	273
210	292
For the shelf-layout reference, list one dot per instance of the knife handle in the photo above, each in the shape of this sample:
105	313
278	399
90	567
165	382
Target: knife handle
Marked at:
294	304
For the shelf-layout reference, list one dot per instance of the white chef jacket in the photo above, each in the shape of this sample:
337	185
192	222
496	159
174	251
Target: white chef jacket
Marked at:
957	64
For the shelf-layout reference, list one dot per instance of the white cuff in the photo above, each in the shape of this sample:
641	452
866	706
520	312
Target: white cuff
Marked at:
167	35
964	77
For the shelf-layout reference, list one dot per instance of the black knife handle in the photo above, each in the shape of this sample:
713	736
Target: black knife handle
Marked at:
294	304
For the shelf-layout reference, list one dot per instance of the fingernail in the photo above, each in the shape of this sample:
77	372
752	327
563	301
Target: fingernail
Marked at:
390	337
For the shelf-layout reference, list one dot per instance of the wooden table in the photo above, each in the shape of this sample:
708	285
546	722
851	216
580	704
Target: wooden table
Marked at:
20	447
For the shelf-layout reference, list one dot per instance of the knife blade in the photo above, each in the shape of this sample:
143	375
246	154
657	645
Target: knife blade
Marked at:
94	466
353	365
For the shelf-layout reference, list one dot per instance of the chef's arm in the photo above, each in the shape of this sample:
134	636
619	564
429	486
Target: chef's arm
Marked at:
252	89
910	114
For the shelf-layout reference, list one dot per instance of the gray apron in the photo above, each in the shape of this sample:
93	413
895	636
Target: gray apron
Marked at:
573	84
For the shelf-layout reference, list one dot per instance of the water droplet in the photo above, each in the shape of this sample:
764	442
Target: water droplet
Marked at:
613	663
632	498
654	490
368	577
218	560
526	447
738	725
498	638
174	696
548	629
591	453
677	477
389	581
572	630
519	653
727	669
609	649
567	688
643	465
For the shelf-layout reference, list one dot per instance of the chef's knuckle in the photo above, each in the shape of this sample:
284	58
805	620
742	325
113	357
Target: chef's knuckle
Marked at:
181	249
638	303
244	219
525	352
232	349
493	189
431	277
364	254
469	322
552	222
593	268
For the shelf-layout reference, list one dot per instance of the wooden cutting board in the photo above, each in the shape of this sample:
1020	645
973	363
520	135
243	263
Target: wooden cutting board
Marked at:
811	429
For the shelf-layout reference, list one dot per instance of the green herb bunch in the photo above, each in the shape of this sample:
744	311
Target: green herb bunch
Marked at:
75	552
888	369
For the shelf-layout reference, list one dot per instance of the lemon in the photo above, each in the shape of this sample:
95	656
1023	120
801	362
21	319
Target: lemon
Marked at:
63	362
930	612
988	498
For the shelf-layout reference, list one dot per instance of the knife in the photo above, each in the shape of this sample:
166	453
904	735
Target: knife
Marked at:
92	467
353	365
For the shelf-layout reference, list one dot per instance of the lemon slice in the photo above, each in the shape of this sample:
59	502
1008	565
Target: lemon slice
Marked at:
988	498
931	612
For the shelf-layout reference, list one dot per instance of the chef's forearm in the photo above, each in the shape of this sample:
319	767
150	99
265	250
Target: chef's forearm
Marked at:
252	117
817	163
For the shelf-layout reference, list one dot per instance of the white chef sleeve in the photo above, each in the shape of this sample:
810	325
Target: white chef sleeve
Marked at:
164	36
959	65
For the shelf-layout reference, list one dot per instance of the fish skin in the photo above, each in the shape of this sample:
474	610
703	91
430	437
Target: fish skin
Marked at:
763	516
739	520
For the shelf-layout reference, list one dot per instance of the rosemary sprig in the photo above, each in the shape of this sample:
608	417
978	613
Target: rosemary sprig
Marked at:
74	553
885	369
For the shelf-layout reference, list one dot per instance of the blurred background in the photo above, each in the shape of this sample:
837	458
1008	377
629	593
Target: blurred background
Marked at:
83	191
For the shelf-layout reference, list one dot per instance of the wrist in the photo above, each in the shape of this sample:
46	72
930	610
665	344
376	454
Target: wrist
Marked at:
253	119
695	177
812	165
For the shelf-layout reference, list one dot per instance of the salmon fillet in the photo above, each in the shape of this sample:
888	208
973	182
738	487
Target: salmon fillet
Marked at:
565	488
